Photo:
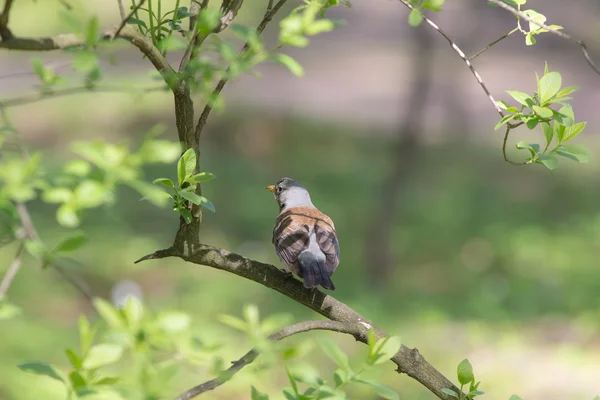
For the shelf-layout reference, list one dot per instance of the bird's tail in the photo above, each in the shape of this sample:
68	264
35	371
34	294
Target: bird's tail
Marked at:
314	272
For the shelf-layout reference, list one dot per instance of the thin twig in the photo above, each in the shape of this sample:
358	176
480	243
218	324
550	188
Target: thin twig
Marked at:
582	45
508	129
18	101
121	9
461	54
493	43
354	329
124	21
11	272
65	5
207	109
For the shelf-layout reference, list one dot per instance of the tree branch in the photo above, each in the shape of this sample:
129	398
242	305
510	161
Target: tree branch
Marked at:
582	45
409	361
359	331
461	55
11	272
29	98
126	18
67	40
5	33
501	38
261	27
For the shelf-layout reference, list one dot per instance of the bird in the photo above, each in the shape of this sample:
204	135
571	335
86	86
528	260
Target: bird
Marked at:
304	238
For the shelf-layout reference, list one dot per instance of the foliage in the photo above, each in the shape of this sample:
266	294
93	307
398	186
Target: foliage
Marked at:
558	126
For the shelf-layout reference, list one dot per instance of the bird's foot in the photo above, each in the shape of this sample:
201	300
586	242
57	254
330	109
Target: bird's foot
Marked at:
288	275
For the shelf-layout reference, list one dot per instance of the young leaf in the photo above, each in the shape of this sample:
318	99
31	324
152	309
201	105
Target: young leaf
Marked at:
193	197
549	162
73	358
565	115
71	243
186	165
256	395
201	177
233	322
110	314
86	335
186	214
44	369
567	91
450	392
77	380
465	372
165	182
415	18
576	152
386	348
520	96
549	86
543	112
93	32
292	65
548	132
574	130
503	121
333	351
102	354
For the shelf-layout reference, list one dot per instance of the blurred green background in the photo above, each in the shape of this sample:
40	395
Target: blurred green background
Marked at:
442	242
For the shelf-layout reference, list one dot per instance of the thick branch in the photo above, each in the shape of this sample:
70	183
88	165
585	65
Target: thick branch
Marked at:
409	361
582	45
261	27
359	331
67	40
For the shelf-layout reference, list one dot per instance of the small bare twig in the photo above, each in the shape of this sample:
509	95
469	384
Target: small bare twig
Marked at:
581	43
493	43
355	329
11	272
121	9
124	21
508	129
261	27
461	54
18	101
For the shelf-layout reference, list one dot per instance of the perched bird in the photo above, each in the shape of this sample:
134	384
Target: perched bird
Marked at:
304	237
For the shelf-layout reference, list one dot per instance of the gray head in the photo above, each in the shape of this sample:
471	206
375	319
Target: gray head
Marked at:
290	193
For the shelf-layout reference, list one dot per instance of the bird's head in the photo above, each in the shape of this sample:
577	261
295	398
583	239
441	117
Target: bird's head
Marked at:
290	193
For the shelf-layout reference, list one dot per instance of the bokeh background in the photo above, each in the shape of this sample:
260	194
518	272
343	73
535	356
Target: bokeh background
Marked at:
442	242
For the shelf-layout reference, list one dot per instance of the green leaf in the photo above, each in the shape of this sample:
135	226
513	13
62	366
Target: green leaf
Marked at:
101	355
90	194
574	130
165	182
333	351
533	148
201	177
520	96
153	194
57	195
386	348
135	21
78	168
109	313
576	152
567	90
256	395
450	392
134	311
371	340
474	393
549	162
8	311
85	61
529	39
549	86
381	390
154	151
208	204
186	214
292	65
74	359
319	26
77	380
292	380
233	322
515	397
565	115
71	243
186	165
465	372
415	18
548	131
86	335
532	122
44	369
93	31
174	321
251	314
503	121
66	215
543	112
192	197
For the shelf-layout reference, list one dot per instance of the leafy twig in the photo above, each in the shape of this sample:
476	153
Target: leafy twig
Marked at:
559	33
357	330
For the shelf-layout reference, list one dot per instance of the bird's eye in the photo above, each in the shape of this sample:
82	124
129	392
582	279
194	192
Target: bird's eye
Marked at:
277	189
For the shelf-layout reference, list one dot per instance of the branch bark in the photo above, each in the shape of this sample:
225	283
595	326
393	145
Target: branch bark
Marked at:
408	361
359	331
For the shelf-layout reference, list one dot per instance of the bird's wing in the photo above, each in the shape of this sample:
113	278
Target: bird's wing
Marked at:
290	238
328	242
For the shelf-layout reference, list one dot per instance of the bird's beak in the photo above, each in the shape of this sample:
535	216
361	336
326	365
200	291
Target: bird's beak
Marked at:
271	188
